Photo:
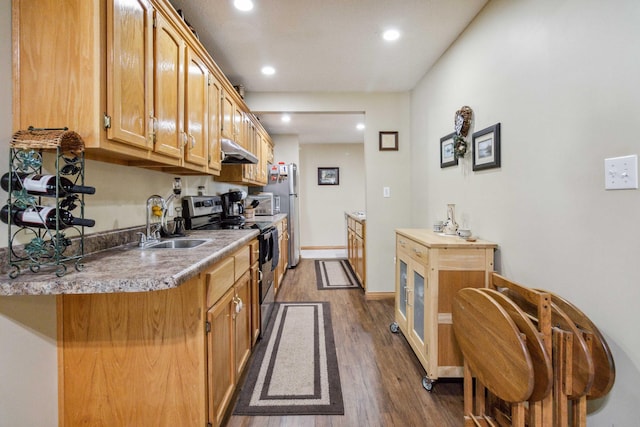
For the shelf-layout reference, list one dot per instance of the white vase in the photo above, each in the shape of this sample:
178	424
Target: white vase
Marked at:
451	226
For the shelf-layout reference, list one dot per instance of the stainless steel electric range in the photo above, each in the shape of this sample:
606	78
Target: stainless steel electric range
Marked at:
205	213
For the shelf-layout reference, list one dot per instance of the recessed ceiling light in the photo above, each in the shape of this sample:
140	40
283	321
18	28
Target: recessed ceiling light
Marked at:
286	118
391	35
360	126
268	70
243	5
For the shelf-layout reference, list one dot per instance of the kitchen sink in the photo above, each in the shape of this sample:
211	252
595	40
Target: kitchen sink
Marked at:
178	244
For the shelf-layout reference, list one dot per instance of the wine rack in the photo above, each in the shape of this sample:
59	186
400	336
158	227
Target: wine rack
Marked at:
45	245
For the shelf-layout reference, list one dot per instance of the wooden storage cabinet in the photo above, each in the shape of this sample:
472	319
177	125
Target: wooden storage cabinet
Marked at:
255	290
356	240
133	358
165	358
130	77
230	327
283	260
430	270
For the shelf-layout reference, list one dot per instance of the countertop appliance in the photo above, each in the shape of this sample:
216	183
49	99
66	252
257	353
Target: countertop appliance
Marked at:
206	213
233	207
267	203
287	190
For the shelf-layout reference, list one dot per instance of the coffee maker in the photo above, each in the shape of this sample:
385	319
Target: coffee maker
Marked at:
233	207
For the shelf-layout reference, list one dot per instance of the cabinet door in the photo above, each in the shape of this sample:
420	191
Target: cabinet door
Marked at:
129	71
221	356
214	93
402	284
359	258
243	330
227	110
417	297
255	303
238	126
196	109
169	89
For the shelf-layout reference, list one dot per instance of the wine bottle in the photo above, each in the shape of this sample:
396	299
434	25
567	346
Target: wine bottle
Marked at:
42	185
43	217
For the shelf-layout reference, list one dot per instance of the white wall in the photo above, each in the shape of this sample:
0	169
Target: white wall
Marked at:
561	78
286	148
383	112
322	207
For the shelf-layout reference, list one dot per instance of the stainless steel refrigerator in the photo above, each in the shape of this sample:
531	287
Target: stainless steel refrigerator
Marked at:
287	189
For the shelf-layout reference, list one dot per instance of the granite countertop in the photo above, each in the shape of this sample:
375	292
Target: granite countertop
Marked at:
127	268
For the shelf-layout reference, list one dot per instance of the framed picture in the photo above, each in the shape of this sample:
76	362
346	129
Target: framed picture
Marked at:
328	176
388	141
486	148
447	152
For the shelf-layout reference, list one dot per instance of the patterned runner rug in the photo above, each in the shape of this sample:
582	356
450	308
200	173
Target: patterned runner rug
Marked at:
335	274
294	370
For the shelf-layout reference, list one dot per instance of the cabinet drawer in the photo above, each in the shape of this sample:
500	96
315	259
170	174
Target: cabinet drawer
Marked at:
414	249
219	280
243	261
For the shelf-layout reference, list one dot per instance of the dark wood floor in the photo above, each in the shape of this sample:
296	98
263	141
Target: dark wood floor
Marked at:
381	377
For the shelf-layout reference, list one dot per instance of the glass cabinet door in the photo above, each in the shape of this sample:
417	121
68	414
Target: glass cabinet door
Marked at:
418	305
402	294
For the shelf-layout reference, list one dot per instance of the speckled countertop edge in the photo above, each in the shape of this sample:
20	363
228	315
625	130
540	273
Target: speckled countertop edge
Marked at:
127	268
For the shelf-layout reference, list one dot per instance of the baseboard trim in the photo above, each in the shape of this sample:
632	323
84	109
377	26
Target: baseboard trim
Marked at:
379	295
320	248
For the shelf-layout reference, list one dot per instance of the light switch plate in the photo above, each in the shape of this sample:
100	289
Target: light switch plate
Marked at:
386	192
621	173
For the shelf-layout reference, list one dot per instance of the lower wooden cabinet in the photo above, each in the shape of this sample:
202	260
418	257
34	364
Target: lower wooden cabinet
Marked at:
356	238
221	372
159	358
283	248
133	359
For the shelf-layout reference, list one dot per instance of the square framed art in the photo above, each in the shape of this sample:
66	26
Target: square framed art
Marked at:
328	176
447	152
486	148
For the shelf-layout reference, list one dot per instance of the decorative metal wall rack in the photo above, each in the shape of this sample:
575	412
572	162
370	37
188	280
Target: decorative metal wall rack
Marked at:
49	243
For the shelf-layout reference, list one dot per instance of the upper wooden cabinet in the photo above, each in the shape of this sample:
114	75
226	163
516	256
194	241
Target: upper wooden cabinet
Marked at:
214	153
227	110
196	112
168	111
129	72
129	77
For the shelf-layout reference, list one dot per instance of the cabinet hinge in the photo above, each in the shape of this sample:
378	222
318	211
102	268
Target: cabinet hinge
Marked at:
209	80
155	21
207	326
106	121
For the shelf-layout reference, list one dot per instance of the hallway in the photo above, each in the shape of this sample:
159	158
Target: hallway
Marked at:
381	377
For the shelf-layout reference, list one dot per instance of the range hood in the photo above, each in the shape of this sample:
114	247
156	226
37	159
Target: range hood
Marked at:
232	153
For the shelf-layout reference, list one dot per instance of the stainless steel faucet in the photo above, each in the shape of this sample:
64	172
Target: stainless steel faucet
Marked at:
153	230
